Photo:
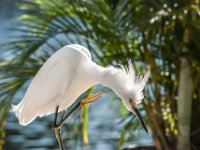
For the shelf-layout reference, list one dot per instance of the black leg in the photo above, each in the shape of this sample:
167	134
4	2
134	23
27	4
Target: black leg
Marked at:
56	116
76	107
57	126
63	115
57	129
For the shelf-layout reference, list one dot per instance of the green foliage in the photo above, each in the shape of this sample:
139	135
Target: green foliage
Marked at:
148	32
85	118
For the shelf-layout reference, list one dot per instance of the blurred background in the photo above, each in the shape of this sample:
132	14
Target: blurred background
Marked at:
160	36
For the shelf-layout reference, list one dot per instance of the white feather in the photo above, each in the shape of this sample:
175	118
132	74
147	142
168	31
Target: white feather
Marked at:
66	75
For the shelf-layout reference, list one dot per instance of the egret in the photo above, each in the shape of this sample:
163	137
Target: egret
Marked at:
67	74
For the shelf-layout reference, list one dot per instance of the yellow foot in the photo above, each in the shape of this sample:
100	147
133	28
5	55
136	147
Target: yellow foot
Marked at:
88	100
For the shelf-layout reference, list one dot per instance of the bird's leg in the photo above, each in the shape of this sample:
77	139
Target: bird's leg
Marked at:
82	104
88	100
57	128
62	118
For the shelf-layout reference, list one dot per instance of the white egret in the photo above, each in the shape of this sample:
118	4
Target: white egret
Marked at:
67	74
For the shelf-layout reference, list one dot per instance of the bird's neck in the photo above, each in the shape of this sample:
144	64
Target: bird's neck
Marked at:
110	79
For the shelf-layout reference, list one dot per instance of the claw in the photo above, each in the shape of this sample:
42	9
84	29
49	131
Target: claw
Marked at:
89	100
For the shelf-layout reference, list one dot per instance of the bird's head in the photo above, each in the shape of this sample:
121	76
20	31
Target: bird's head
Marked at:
130	89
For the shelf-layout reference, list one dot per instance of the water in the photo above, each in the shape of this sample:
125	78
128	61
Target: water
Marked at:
103	129
40	134
8	12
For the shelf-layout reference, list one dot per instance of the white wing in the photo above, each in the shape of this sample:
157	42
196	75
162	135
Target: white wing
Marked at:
51	84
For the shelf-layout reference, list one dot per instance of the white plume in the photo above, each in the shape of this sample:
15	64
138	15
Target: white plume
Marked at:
134	83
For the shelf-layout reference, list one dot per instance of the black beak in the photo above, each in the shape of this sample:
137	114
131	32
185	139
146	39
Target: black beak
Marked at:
140	119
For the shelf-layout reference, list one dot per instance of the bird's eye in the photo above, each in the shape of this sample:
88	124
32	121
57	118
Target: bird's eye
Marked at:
132	102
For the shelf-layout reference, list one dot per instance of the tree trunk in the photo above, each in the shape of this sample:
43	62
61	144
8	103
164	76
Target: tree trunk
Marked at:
184	101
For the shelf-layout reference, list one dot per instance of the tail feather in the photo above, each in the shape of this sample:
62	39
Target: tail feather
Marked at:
26	113
24	119
16	109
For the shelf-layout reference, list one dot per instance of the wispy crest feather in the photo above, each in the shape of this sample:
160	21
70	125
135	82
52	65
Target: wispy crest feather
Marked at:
134	83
